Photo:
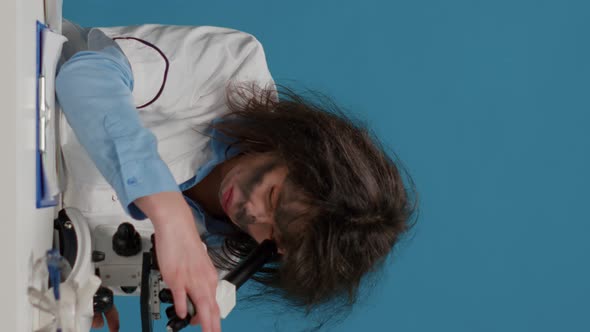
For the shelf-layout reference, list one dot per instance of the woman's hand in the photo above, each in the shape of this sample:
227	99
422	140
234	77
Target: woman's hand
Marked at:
183	260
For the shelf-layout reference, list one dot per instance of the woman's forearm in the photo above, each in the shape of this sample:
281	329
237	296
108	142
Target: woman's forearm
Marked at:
165	209
94	90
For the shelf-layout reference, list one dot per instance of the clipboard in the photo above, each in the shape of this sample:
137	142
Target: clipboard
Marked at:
49	45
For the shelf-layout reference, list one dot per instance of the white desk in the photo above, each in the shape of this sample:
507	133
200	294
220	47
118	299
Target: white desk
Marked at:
27	231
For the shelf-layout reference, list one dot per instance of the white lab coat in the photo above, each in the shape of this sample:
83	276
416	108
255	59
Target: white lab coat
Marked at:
201	61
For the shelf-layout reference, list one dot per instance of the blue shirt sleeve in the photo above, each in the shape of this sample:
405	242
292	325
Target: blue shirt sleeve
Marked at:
94	90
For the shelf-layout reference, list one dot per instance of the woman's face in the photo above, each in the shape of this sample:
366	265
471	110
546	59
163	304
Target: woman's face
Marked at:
251	194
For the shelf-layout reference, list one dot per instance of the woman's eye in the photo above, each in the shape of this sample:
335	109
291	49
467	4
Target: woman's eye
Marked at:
270	196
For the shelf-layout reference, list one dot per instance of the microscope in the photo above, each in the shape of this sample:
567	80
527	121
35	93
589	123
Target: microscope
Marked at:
119	259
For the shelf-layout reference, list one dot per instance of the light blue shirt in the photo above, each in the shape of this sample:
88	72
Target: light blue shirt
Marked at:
94	89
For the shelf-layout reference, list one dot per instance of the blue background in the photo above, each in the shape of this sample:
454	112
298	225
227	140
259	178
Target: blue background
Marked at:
487	103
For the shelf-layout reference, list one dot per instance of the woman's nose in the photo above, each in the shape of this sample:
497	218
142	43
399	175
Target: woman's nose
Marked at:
264	217
261	213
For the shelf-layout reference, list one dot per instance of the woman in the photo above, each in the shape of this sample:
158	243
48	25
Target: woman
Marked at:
186	126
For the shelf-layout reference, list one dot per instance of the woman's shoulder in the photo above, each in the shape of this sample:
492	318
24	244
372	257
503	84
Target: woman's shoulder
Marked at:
161	31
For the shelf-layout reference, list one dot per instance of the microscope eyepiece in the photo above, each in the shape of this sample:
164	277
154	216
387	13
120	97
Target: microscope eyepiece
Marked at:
265	251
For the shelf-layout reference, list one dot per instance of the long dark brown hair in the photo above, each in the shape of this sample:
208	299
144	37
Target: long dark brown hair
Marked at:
357	203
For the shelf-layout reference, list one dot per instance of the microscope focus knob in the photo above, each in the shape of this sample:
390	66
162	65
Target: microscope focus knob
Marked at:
126	241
